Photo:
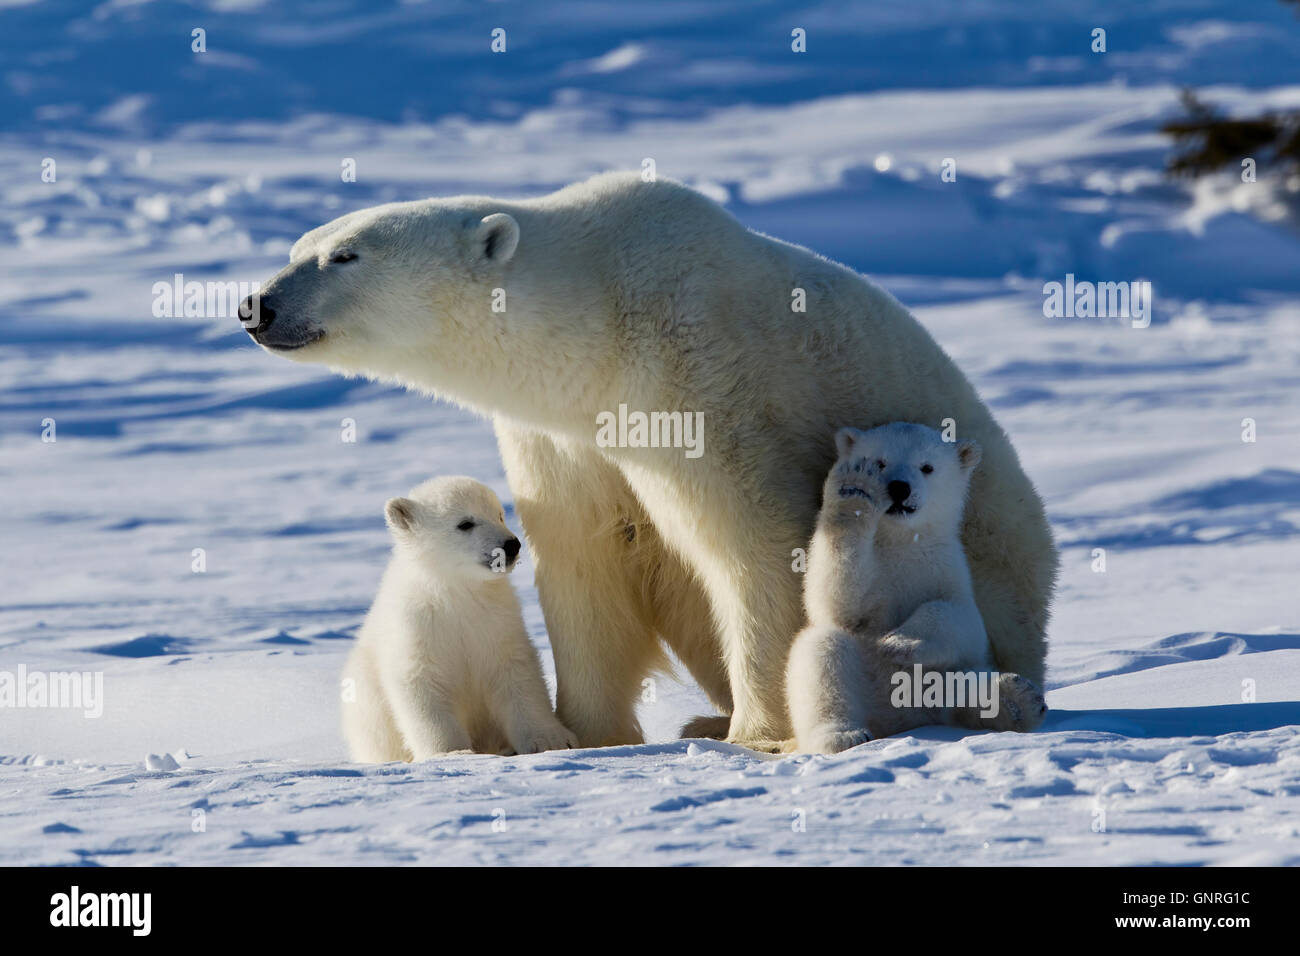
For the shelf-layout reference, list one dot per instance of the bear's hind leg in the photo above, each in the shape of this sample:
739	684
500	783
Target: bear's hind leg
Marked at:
368	727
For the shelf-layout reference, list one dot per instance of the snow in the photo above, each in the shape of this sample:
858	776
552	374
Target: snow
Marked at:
1174	674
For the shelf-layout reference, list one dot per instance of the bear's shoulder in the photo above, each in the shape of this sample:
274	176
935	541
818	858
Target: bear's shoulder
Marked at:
626	190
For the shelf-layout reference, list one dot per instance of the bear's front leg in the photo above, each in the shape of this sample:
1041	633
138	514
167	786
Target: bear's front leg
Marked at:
760	612
603	647
600	626
520	705
426	718
740	553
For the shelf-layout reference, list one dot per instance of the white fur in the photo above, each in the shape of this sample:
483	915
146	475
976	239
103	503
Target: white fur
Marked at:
443	662
649	294
887	587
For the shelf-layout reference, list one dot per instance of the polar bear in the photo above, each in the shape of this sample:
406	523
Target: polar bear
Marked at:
551	314
888	594
443	662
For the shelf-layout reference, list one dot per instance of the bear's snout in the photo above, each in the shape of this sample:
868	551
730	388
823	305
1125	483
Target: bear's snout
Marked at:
256	314
899	491
511	548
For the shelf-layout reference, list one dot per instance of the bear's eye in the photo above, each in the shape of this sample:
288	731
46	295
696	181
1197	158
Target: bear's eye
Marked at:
342	255
465	525
926	469
880	463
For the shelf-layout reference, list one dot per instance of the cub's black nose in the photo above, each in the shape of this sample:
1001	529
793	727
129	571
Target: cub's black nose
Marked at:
256	314
899	491
512	548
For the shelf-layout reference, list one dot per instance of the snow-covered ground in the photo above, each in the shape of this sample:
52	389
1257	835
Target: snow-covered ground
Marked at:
1174	673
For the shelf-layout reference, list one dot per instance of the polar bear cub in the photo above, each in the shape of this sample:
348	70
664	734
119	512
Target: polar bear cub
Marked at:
888	599
443	662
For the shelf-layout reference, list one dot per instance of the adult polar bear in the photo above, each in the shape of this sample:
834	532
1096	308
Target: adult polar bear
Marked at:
622	292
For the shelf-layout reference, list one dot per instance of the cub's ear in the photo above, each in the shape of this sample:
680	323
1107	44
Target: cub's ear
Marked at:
496	237
969	453
846	439
400	514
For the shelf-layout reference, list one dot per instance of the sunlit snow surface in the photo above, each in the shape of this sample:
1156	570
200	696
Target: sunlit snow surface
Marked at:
1174	674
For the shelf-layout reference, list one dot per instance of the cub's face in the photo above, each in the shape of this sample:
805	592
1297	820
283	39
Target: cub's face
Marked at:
916	479
370	290
454	527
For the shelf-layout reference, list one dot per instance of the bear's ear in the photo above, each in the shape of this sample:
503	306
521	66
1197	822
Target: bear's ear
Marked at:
969	453
496	237
845	440
400	514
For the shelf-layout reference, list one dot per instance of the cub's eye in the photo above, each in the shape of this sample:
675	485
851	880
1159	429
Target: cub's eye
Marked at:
342	256
926	469
465	525
880	463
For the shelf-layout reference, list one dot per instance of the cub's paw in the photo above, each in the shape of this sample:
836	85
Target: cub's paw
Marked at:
712	727
1021	706
854	489
834	741
849	496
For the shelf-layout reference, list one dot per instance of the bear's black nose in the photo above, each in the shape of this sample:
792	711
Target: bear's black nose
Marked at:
512	548
899	491
256	314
